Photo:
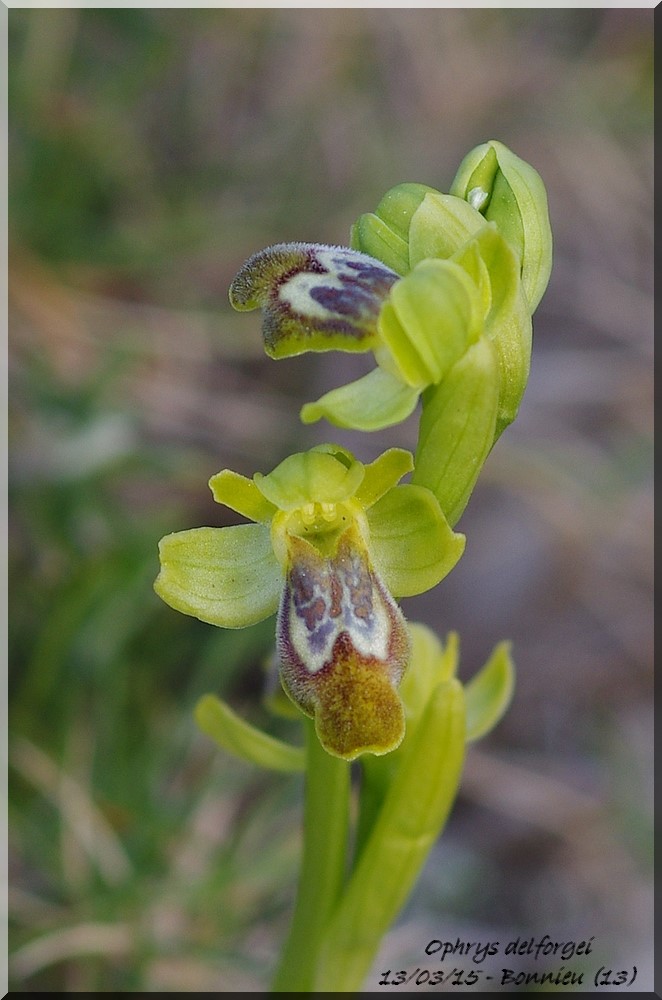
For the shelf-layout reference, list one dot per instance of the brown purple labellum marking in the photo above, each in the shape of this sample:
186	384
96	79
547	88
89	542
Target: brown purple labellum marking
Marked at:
344	647
315	297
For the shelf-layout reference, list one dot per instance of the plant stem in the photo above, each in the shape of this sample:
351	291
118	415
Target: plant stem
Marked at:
326	824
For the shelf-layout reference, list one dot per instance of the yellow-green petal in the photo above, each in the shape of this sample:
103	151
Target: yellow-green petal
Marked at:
224	576
382	474
412	545
241	494
373	236
370	403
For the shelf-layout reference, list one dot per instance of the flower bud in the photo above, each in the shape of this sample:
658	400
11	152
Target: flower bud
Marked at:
384	233
440	226
507	190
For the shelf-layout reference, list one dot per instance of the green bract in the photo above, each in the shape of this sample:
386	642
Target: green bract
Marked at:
334	542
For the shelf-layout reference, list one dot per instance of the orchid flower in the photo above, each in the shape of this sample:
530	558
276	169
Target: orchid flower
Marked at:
332	544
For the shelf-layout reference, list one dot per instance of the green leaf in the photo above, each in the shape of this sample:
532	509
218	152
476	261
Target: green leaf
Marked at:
224	576
457	427
232	733
411	543
241	494
414	812
375	401
490	692
430	664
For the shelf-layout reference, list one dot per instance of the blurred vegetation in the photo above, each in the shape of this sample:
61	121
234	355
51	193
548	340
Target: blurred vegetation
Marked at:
151	151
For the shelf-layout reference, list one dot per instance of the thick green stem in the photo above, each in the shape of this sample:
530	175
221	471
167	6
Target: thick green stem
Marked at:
326	824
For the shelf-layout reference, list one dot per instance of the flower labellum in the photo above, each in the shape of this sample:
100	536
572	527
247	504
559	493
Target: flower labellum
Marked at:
315	297
344	647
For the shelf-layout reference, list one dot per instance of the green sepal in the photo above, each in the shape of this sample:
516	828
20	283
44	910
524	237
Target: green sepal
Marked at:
386	471
411	543
429	320
510	192
440	226
225	576
370	403
490	692
313	476
241	494
457	428
232	733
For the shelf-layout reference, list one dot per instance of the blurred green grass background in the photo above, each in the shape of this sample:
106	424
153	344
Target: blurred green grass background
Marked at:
151	151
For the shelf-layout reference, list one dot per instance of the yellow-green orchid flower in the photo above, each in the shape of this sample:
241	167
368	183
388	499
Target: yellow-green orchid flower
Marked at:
333	543
322	298
463	284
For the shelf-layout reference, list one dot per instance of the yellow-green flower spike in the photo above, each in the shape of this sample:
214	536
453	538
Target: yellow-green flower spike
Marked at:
509	191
